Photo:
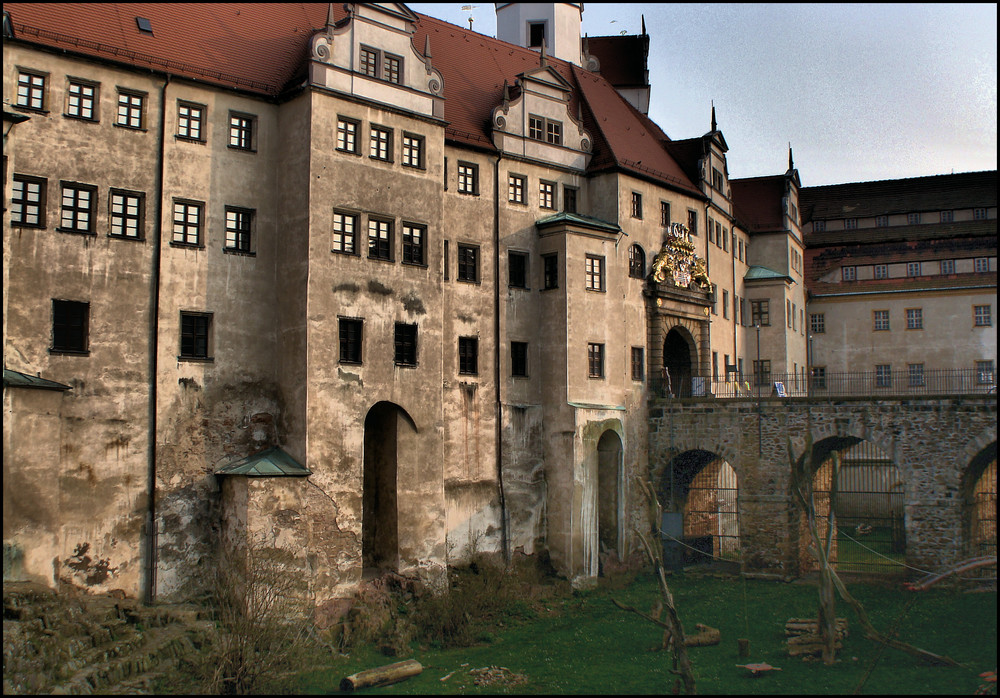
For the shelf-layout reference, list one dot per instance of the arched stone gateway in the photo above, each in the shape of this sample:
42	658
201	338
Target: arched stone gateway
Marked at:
610	499
380	521
979	504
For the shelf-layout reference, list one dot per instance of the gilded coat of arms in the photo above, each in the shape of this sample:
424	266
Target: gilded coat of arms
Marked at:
677	264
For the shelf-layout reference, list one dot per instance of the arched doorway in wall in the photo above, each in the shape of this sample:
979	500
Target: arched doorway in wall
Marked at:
379	519
865	489
699	493
610	478
979	505
679	358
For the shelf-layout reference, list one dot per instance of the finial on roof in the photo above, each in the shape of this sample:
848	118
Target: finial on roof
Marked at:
643	24
543	59
791	165
714	124
329	16
506	96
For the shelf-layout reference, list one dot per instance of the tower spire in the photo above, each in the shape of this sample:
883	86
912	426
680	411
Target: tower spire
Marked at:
714	124
791	165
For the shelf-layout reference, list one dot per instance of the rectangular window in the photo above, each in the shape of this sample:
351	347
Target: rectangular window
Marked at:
550	271
542	129
819	226
130	109
195	329
127	213
881	271
880	320
741	250
636	205
789	315
913	268
984	372
380	143
883	376
536	127
242	131
414	243
187	223
413	150
517	269
715	365
519	359
848	273
351	340
760	313
515	189
664	214
983	315
30	90
553	132
716	179
819	376
536	34
78	205
711	230
347	136
392	68
546	195
915	375
947	266
850	223
912	218
725	304
468	356
345	231
638	364
405	344
190	119
595	273
379	239
569	199
979	214
468	178
636	262
70	326
369	62
947	216
81	100
595	360
725	241
693	222
468	263
881	221
914	319
982	265
27	202
762	372
239	229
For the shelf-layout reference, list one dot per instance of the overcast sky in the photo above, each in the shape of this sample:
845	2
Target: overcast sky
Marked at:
862	92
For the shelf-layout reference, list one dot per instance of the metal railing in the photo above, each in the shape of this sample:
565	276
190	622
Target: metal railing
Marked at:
850	384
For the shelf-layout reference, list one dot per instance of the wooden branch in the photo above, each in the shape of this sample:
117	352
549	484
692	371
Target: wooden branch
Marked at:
381	676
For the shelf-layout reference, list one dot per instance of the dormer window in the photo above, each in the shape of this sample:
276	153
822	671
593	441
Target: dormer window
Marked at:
377	65
546	130
716	179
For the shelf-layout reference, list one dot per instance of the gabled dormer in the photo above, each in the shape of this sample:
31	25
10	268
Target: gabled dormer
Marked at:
370	55
714	168
534	120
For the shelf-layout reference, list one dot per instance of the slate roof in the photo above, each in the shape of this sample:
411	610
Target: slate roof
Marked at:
867	199
262	49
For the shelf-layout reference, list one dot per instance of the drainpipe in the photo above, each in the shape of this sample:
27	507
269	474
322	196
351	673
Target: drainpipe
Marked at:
154	344
498	348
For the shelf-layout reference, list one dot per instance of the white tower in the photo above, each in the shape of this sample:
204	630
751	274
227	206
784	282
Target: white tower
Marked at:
529	23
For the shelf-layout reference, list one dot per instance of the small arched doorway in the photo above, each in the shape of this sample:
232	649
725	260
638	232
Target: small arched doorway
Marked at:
678	361
979	504
379	514
609	495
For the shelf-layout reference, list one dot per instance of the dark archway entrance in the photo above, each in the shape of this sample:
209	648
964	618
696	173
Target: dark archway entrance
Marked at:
677	359
379	521
609	494
979	504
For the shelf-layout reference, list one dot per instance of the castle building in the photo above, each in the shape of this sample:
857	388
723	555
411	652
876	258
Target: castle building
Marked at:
359	283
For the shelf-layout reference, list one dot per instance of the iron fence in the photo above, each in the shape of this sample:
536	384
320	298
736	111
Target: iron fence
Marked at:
822	384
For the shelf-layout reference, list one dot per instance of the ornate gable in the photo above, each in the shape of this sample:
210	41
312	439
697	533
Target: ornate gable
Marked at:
537	124
370	54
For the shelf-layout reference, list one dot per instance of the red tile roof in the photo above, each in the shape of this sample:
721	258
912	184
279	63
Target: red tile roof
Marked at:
262	48
757	203
622	59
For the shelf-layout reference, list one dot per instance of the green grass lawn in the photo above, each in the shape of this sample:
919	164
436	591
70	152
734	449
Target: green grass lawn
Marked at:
581	643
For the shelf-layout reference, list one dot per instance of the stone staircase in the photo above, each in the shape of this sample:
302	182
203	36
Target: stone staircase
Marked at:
81	645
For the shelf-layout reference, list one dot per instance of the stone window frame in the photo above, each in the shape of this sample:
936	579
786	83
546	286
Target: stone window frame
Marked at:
70	327
242	131
413	146
817	323
82	219
414	247
638	364
342	240
188	228
636	261
121	218
637	205
405	344
595	360
467	255
516	189
880	320
982	316
468	356
760	312
546	194
468	178
380	143
522	269
32	94
191	118
131	109
350	335
595	273
347	135
570	199
518	359
24	204
381	238
550	271
241	229
78	103
196	336
914	318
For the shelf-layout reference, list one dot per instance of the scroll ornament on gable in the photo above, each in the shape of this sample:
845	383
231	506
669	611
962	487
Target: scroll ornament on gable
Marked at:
676	263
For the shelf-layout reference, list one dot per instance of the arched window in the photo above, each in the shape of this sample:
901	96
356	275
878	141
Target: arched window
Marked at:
636	262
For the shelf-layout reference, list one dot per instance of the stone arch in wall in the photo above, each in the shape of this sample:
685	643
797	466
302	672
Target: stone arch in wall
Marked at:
384	424
699	493
979	504
863	488
680	361
610	495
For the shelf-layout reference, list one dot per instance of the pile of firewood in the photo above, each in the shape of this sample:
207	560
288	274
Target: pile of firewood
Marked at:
804	638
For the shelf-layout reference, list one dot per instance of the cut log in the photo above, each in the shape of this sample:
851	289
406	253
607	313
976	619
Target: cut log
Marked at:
809	626
381	676
705	636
